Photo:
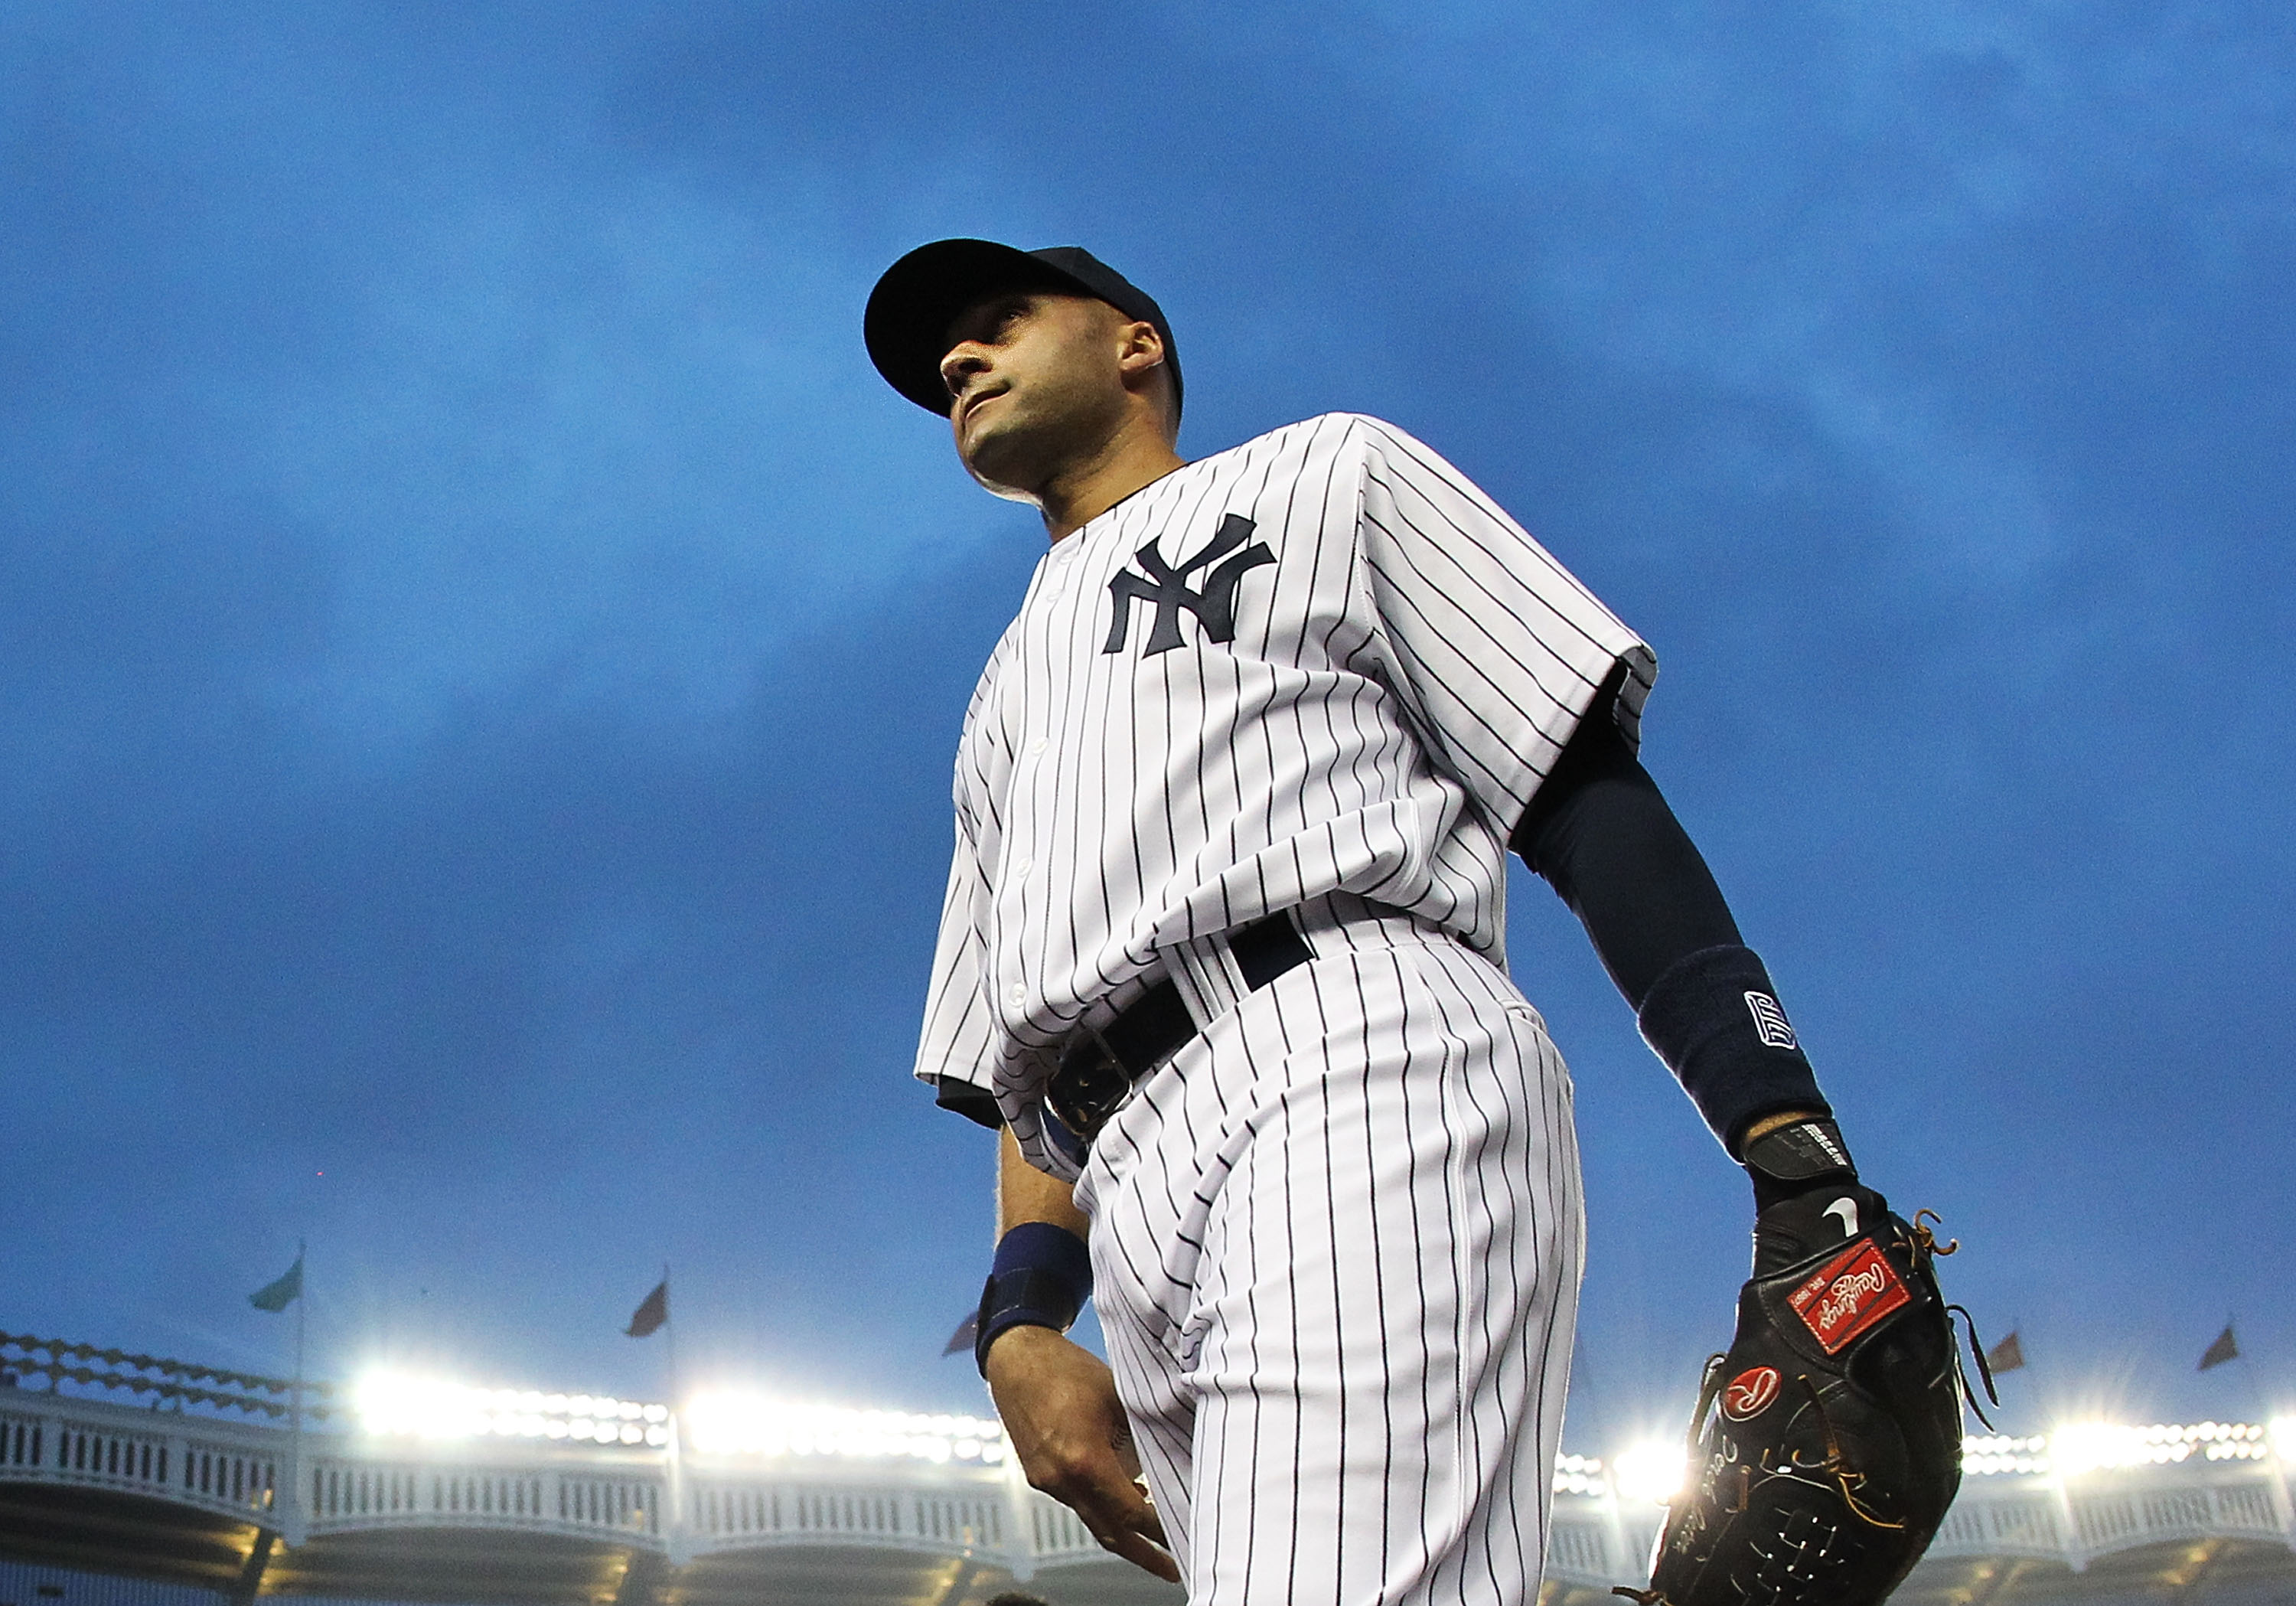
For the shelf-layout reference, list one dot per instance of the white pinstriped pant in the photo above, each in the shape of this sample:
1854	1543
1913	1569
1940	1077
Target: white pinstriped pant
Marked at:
1336	1247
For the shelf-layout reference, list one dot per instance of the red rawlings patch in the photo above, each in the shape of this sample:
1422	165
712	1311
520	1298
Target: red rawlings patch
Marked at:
1848	1296
1749	1392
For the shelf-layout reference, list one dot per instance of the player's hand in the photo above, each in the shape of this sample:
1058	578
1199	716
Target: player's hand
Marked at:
1058	1401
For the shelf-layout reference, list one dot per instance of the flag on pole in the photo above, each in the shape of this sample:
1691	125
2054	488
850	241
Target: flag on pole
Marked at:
2223	1349
649	1317
278	1295
960	1342
2008	1356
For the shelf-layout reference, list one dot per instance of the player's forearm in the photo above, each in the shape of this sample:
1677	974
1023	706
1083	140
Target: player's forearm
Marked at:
1602	835
1617	856
1057	1401
1042	1274
1600	832
1026	1194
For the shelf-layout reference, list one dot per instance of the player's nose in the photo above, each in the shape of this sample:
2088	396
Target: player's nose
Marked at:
965	361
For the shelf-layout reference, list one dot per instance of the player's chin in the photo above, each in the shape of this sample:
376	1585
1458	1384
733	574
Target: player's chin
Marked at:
1000	459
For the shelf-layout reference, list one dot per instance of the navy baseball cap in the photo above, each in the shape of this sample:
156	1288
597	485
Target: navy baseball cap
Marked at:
910	310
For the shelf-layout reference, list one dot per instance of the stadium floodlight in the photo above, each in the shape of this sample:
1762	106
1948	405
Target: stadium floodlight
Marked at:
730	1423
395	1403
2079	1447
1998	1454
390	1403
2093	1446
1651	1473
1578	1475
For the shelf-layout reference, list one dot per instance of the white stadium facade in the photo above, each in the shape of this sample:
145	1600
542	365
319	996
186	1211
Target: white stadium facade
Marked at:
205	1494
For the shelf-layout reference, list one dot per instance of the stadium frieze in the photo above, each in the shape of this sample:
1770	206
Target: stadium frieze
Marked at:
881	1486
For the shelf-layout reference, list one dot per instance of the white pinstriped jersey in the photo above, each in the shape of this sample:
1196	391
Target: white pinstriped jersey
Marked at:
1336	665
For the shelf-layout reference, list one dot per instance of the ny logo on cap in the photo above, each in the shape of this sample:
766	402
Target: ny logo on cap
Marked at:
1166	584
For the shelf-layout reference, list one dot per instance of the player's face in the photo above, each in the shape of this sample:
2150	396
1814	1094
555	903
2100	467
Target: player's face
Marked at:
1038	383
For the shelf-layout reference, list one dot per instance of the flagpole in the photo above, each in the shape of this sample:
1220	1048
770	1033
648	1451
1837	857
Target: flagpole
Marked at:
294	1515
669	1340
674	1530
2255	1386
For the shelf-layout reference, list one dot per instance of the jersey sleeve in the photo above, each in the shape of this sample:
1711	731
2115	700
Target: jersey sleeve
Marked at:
1496	648
956	1040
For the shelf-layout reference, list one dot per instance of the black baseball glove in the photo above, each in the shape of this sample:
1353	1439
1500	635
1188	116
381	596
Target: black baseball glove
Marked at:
1826	1443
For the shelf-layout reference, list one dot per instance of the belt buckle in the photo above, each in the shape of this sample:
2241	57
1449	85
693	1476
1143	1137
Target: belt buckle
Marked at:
1088	1086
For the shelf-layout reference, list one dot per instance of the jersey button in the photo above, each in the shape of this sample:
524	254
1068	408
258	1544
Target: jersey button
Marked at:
1022	866
1037	747
1019	994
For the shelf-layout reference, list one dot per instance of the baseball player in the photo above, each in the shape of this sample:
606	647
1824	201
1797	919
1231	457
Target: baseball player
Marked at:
1221	957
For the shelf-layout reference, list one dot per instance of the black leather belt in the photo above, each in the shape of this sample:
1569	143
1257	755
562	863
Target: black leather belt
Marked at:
1100	1069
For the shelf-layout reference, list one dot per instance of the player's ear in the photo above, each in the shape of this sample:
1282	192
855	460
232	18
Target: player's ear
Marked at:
1140	349
1140	358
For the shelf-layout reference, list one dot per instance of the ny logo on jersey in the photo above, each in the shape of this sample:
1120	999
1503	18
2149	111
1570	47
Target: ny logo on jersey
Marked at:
1166	584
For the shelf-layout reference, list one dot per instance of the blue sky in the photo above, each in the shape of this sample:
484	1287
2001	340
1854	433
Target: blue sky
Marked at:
481	652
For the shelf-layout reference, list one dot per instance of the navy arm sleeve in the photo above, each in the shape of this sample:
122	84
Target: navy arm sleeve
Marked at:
1599	831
